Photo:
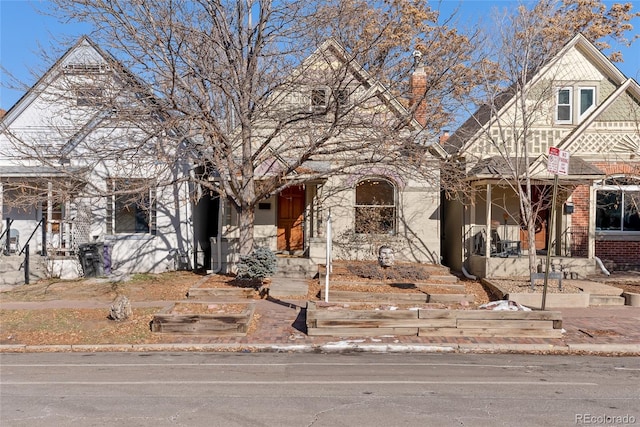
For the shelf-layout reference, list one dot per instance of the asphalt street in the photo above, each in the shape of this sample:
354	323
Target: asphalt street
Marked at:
353	389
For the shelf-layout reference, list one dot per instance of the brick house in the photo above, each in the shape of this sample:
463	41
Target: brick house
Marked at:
584	106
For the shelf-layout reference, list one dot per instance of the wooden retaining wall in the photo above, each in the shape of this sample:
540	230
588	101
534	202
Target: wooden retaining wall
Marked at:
228	324
394	298
429	322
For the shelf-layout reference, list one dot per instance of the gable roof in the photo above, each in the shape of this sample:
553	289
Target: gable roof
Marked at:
376	88
471	129
49	76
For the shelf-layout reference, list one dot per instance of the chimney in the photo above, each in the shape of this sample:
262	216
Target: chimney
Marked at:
2	113
444	136
417	89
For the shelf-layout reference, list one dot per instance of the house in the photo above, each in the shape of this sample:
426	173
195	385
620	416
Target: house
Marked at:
579	103
371	200
74	173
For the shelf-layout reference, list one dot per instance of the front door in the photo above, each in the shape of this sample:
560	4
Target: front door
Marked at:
290	219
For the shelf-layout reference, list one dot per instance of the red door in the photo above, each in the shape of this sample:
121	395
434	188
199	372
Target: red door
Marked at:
290	219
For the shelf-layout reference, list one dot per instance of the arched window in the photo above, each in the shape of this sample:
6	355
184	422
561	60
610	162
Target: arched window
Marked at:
375	210
618	204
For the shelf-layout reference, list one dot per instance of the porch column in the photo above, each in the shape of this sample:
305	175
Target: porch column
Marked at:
1	206
487	242
470	226
49	208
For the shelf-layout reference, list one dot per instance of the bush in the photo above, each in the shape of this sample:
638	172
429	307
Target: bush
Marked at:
258	264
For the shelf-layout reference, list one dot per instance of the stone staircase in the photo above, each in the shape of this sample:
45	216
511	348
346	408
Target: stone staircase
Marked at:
291	278
12	269
295	268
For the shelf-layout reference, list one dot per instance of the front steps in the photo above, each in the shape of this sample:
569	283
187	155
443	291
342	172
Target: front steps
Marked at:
295	268
12	269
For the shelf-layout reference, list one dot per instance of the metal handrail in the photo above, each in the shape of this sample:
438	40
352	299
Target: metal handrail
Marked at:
31	236
6	230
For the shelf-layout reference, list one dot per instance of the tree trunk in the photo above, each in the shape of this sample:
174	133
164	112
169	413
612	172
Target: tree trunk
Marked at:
245	222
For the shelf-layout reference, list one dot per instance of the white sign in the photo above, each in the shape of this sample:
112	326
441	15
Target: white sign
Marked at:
558	161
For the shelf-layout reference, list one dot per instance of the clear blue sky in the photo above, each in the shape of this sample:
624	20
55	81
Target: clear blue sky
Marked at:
23	31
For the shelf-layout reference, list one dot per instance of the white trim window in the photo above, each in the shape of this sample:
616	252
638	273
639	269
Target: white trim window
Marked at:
587	96
618	205
375	208
564	105
131	208
319	99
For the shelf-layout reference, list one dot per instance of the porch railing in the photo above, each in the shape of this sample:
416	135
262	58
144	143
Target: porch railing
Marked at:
576	241
44	237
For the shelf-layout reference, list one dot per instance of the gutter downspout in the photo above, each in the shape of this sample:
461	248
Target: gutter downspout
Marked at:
218	239
467	275
601	265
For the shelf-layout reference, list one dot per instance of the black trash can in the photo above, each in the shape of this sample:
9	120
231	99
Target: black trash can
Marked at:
92	259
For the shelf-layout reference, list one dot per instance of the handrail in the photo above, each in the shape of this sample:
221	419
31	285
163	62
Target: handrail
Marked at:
5	231
31	236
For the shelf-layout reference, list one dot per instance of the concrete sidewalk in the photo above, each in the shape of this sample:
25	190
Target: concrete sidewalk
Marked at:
281	327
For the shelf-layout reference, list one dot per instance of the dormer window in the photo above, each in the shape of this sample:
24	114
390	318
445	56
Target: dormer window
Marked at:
563	105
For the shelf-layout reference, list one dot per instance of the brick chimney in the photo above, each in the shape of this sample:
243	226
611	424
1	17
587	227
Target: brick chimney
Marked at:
444	136
417	89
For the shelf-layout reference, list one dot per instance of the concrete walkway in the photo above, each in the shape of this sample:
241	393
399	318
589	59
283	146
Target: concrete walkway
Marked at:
598	330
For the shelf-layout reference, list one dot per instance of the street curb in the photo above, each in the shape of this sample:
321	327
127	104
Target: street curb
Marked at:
337	347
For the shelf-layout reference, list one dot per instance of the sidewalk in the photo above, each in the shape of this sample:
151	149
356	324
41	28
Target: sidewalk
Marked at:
281	327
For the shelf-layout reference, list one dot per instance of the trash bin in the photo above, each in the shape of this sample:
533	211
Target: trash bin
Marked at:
92	259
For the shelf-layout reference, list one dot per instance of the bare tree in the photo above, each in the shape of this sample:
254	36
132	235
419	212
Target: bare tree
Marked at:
242	89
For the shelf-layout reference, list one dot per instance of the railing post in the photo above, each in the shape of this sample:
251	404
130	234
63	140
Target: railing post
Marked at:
7	240
26	265
43	252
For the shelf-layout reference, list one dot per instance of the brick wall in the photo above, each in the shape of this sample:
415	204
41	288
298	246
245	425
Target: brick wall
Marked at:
618	253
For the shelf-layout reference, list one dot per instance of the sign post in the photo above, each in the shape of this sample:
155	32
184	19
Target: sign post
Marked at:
558	164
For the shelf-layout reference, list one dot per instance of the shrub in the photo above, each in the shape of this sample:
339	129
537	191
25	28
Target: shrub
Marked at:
258	264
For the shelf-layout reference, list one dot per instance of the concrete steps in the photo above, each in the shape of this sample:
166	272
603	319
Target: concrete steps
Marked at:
601	300
295	268
601	294
12	269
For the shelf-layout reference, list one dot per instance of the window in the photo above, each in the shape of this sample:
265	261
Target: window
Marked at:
617	205
563	105
318	99
342	97
375	209
88	96
132	207
587	99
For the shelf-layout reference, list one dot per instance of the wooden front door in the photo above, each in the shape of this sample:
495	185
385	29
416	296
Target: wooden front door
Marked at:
290	219
540	196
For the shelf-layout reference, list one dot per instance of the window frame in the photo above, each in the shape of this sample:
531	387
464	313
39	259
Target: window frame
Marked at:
150	215
392	229
314	98
607	186
582	114
89	96
569	105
